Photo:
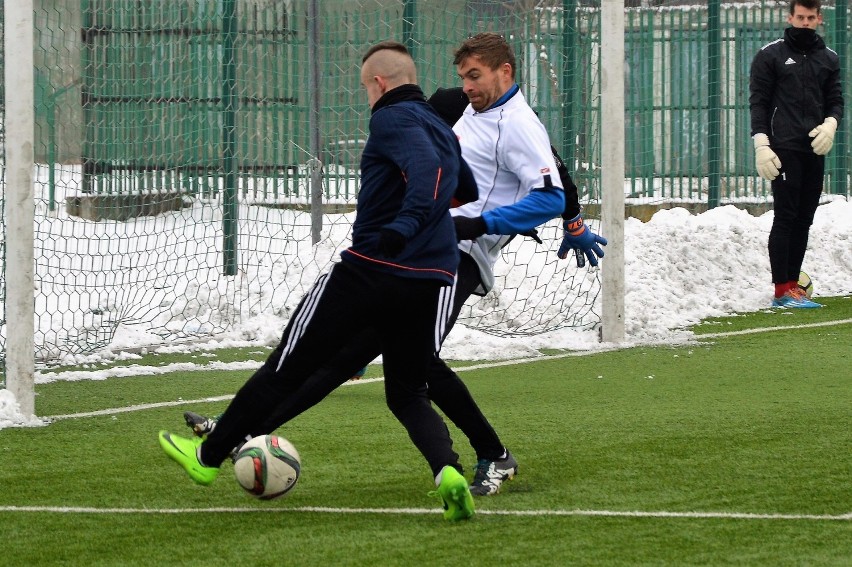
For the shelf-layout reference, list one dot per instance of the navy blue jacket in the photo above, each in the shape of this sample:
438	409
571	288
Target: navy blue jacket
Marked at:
410	170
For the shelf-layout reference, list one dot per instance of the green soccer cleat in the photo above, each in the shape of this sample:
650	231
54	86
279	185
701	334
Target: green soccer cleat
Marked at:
184	452
455	494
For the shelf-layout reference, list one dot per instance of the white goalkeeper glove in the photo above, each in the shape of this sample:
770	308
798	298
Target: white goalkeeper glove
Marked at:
823	136
767	163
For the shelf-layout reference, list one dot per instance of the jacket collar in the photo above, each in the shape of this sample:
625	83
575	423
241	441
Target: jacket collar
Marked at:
513	90
399	94
802	42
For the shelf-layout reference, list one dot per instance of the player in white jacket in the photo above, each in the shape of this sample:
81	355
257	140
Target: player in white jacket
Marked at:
509	152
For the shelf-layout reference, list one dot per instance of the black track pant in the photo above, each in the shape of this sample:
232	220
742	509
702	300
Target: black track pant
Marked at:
796	193
402	310
446	389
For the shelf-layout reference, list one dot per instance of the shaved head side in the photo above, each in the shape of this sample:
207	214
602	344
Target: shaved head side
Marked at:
386	66
391	61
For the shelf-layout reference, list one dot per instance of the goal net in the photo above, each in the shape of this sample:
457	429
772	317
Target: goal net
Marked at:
197	162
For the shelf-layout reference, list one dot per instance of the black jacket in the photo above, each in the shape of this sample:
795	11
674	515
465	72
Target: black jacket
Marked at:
794	88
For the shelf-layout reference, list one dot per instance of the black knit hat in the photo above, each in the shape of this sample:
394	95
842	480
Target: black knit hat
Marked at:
449	103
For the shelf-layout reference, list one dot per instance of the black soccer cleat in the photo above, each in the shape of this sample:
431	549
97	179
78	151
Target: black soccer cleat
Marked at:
200	424
490	475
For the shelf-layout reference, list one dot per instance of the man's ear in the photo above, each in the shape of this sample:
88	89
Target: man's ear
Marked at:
382	82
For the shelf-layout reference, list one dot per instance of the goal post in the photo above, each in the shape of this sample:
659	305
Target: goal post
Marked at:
19	205
612	169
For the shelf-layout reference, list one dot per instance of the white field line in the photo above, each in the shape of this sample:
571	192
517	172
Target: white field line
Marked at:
427	511
770	329
485	365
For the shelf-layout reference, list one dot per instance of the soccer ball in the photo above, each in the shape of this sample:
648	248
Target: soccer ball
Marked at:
805	284
267	466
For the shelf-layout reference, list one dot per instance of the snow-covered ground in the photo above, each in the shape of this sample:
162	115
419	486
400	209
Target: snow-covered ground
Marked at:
679	269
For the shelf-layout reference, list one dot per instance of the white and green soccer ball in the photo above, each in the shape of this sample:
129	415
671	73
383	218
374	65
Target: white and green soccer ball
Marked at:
267	466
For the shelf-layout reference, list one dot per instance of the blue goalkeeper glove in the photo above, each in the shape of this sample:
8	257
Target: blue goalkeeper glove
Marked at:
582	240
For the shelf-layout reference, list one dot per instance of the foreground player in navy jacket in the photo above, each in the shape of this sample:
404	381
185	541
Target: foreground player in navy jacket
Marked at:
392	279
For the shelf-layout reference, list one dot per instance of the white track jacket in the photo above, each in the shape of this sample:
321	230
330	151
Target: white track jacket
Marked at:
508	150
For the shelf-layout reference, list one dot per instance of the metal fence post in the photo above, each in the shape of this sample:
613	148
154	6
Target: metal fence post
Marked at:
409	11
840	175
569	66
229	103
315	163
714	103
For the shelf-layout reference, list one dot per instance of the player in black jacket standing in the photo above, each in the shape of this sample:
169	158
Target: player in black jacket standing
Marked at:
796	105
394	279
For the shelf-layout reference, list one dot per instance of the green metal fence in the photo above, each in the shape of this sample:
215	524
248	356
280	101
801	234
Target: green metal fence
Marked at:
687	79
193	95
179	94
211	98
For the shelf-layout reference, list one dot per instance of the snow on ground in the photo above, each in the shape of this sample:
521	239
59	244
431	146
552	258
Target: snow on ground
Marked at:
679	268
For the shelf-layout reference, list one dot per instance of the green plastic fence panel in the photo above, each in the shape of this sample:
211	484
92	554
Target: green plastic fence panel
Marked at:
686	114
154	103
587	147
639	106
